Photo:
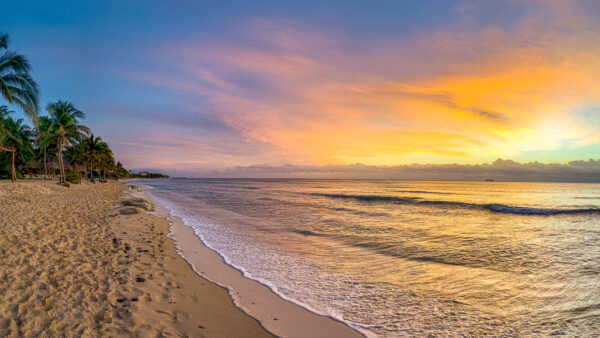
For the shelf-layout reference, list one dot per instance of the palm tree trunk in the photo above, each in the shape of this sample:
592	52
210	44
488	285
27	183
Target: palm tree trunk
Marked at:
45	169
60	163
62	169
59	167
91	168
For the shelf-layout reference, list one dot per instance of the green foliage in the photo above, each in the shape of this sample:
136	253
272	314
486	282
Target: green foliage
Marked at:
14	133
73	177
64	128
17	86
60	130
121	171
99	156
58	137
5	165
148	175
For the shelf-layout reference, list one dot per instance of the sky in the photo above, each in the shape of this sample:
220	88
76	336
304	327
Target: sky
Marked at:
210	88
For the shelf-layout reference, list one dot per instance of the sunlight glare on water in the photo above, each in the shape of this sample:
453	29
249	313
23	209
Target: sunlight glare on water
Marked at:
405	257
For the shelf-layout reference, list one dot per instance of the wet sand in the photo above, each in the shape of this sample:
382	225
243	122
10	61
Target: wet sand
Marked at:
276	314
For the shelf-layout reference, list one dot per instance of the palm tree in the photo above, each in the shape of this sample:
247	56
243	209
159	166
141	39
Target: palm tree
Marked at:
44	139
4	114
104	157
5	135
19	136
92	144
16	85
77	154
121	171
65	128
14	133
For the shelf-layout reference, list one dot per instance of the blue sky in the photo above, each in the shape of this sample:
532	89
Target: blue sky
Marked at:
189	87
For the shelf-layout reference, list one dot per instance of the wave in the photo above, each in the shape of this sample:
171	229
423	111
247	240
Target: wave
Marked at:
369	198
507	209
307	233
360	212
429	254
425	192
500	208
200	228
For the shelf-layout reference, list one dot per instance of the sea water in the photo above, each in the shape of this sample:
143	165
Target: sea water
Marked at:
394	258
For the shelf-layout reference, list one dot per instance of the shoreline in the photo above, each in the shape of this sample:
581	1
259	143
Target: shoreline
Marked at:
279	316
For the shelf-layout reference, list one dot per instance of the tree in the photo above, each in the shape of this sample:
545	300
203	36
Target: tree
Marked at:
76	154
92	144
104	158
44	139
121	171
17	86
15	134
95	152
4	115
20	136
64	128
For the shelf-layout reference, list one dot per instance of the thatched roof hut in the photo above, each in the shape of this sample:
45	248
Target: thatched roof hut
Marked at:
77	167
33	164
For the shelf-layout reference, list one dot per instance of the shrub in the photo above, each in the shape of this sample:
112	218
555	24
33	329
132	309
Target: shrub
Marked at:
73	177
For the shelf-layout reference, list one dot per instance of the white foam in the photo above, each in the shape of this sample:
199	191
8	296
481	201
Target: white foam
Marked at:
253	261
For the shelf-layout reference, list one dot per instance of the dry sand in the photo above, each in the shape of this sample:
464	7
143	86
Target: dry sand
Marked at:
75	262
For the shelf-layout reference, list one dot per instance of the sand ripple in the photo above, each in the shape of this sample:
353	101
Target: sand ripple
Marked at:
56	253
87	261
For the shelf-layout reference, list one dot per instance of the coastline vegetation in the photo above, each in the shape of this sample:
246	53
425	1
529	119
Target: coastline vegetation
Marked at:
145	174
57	145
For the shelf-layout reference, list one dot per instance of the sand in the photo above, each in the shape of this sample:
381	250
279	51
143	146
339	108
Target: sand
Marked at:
76	262
277	315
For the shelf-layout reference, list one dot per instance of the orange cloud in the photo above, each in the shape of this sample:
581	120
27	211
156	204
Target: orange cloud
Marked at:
460	96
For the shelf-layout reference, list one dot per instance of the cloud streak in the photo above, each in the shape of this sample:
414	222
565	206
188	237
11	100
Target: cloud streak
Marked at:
499	170
493	83
200	86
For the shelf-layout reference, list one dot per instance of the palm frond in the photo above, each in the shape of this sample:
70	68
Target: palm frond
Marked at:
3	40
16	84
11	61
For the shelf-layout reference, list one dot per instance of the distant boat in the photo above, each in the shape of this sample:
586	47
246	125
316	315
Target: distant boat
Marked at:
489	180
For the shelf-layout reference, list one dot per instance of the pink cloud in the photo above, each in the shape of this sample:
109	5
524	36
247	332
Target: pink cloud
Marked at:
440	95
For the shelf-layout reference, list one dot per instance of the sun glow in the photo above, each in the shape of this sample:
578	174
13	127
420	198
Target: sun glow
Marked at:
287	92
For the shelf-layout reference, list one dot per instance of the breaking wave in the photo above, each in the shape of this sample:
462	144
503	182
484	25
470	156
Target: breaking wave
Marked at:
500	208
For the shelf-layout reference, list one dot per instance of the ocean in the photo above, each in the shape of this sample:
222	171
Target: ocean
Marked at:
395	258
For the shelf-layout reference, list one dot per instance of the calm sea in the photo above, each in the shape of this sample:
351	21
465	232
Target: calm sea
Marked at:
395	258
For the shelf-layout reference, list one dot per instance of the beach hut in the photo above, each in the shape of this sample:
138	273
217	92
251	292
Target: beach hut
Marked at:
10	150
53	169
33	167
79	168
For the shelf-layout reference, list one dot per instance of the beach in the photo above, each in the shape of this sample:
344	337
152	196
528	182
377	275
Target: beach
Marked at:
304	258
299	169
395	257
75	261
279	316
101	259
